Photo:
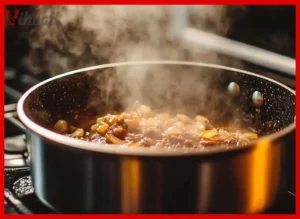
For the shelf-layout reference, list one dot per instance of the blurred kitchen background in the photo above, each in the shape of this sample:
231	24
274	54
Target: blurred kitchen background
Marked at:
90	35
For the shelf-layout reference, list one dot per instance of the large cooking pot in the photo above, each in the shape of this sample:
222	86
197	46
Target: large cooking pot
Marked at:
74	176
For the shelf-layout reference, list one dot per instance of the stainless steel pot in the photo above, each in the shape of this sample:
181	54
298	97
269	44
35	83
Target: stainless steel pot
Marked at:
73	176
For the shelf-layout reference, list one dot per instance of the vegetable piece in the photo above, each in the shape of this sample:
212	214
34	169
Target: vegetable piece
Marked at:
114	119
102	120
221	136
95	127
78	133
209	134
250	135
61	126
108	119
102	129
113	139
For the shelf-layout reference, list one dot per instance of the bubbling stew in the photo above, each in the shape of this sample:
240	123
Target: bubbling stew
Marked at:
142	127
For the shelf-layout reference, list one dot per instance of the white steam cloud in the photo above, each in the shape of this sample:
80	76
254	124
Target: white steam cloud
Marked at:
93	35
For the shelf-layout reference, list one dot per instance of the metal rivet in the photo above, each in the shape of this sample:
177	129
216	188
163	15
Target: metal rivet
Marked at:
257	99
234	89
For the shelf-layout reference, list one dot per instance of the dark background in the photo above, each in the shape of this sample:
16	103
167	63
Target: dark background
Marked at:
268	27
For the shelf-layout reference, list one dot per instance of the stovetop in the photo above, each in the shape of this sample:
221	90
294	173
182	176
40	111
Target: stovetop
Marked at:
19	193
19	197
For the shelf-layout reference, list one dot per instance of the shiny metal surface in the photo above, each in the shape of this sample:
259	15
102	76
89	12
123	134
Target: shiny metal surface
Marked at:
80	177
76	181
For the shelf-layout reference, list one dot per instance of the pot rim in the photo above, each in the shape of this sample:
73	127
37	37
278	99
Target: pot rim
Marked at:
142	151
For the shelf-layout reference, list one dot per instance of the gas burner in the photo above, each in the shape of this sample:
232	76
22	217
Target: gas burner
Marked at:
15	144
19	193
15	149
14	160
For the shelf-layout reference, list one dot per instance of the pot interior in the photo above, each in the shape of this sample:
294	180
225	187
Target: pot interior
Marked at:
175	88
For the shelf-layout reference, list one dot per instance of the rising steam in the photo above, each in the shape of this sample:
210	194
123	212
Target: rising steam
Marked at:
93	35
